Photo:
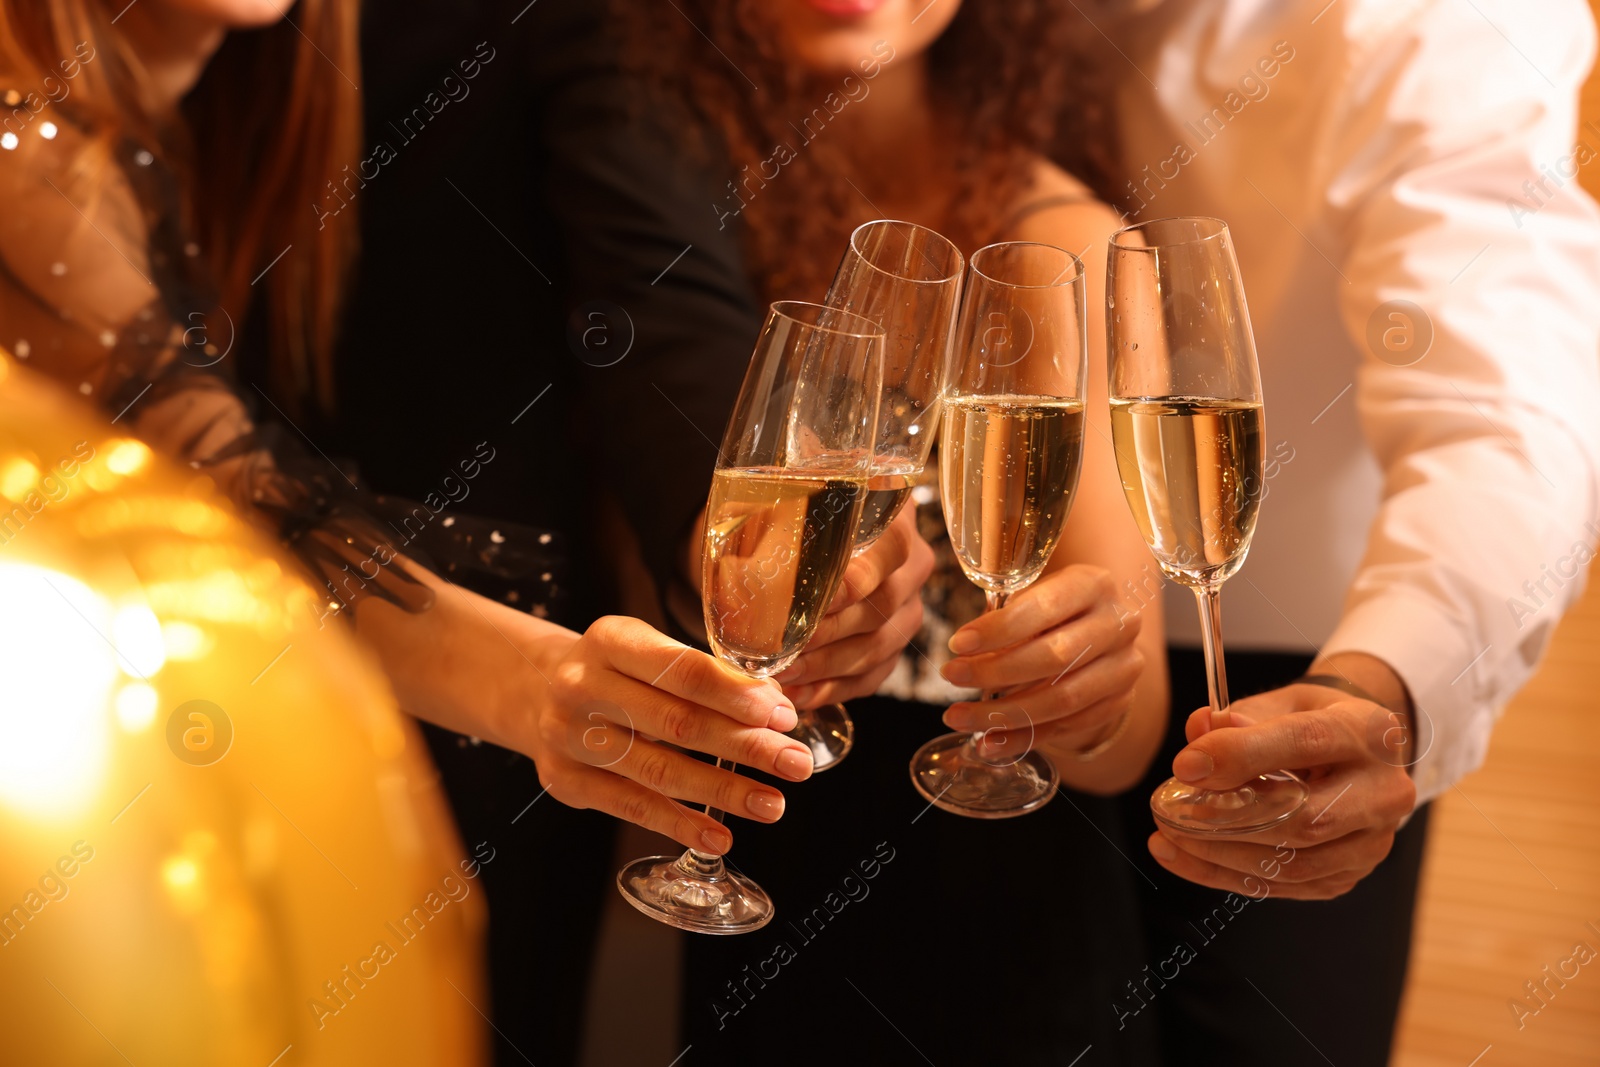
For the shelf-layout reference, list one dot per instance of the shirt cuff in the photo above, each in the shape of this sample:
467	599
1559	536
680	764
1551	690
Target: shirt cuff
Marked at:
1432	654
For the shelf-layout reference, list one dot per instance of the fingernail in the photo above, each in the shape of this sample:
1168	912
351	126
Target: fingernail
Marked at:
767	806
964	641
783	719
795	764
791	674
1192	765
957	673
1161	848
718	840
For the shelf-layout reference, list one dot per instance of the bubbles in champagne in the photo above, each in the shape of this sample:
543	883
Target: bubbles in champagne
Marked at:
776	548
1192	471
887	492
1009	469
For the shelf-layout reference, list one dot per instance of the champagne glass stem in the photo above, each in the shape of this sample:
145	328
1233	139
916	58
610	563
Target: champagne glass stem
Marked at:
1209	597
993	601
715	812
705	864
1252	806
696	890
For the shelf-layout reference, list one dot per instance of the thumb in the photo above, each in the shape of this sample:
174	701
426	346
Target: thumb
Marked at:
1203	721
1225	758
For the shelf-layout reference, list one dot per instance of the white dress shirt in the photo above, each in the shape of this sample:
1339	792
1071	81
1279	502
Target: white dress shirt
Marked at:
1434	502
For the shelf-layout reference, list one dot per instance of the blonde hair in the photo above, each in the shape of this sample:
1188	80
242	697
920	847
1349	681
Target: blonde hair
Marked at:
275	116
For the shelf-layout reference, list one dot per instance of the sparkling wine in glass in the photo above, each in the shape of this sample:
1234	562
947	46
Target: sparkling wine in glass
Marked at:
786	498
907	279
1187	424
1010	449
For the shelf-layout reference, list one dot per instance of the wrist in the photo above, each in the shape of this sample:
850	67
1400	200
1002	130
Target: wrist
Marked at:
495	663
526	697
1080	747
1369	678
1367	673
1101	740
1113	756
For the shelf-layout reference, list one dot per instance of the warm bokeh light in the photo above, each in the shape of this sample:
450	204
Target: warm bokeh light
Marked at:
186	812
58	672
126	456
185	640
17	477
136	633
179	873
136	706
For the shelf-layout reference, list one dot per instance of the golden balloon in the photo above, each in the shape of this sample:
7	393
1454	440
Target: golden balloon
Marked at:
220	842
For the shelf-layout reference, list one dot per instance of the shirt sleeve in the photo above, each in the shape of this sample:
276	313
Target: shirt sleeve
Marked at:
662	312
1453	161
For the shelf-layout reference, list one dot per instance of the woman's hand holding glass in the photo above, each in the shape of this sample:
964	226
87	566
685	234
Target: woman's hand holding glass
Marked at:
600	713
618	702
1010	449
785	504
1062	655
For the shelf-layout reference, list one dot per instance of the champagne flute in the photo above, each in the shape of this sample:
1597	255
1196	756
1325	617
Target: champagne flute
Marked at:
1187	426
907	279
1010	449
786	498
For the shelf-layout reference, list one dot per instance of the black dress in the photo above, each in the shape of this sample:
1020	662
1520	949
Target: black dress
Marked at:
545	271
541	279
906	935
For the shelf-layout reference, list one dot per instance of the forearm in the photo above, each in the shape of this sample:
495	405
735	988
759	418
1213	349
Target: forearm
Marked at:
467	664
671	315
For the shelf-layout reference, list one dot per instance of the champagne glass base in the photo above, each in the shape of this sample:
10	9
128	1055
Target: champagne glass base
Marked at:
828	732
1257	805
951	775
698	897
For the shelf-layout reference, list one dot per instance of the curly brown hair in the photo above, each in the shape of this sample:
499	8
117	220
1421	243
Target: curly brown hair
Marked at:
1019	78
